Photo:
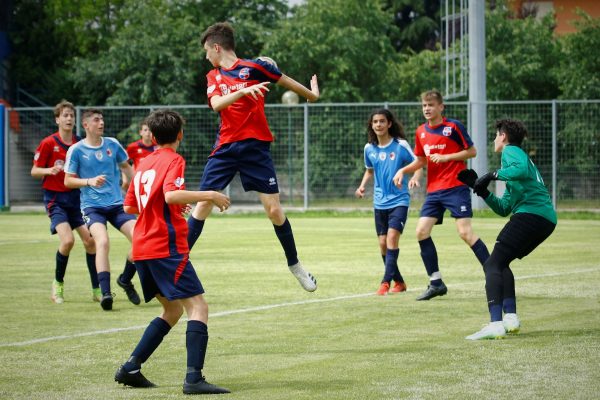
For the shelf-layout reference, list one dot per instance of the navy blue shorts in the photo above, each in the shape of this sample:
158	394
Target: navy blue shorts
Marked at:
63	207
457	200
394	218
251	158
114	214
172	277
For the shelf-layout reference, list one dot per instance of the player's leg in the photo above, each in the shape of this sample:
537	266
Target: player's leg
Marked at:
65	236
429	256
219	170
396	221
124	280
283	231
196	343
96	221
90	257
381	229
458	202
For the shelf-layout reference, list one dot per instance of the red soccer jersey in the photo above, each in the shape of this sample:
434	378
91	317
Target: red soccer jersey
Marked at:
160	230
446	138
53	151
244	119
137	150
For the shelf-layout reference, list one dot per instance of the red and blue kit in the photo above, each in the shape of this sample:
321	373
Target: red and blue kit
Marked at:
448	137
137	151
51	152
244	119
160	172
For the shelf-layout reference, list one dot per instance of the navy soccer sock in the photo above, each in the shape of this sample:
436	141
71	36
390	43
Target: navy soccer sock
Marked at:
391	266
286	238
128	272
383	258
430	258
104	280
509	298
195	227
151	339
196	341
61	267
91	264
481	251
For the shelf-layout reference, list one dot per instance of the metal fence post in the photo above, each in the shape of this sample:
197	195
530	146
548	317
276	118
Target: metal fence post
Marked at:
554	151
3	156
305	156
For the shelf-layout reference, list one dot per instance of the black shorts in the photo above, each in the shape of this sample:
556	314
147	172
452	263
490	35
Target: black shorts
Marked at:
523	233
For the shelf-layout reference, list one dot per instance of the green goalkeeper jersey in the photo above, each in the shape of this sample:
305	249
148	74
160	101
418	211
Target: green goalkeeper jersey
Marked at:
525	190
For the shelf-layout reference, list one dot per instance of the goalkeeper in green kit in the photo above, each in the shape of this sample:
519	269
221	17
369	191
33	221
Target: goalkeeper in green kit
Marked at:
533	220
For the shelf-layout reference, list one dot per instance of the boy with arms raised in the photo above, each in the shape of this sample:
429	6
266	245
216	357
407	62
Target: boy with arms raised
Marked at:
236	91
62	203
443	145
161	254
93	166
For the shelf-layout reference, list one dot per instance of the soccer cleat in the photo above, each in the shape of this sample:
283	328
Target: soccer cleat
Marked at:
493	330
511	323
106	301
96	295
58	292
383	289
308	282
129	291
398	287
202	387
433	291
135	379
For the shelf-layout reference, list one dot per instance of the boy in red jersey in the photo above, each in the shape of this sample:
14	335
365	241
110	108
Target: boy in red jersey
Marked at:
141	148
236	91
161	254
443	145
62	204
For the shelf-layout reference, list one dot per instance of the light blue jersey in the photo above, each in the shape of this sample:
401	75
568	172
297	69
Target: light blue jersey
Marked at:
385	162
87	161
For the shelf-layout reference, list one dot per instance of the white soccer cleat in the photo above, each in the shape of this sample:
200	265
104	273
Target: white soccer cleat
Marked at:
308	282
511	323
493	330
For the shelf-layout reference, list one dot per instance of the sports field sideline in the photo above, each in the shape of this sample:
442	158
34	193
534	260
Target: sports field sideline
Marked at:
271	340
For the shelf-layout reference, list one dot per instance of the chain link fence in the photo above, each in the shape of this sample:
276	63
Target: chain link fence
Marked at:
318	148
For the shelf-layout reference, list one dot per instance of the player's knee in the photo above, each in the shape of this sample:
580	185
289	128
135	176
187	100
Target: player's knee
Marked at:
66	244
422	234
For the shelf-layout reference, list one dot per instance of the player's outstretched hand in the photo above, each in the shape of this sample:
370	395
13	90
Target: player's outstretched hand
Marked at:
256	90
97	181
413	182
468	177
221	201
481	184
314	86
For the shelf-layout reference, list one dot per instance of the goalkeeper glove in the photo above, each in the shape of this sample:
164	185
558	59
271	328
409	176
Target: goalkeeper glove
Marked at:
481	184
468	177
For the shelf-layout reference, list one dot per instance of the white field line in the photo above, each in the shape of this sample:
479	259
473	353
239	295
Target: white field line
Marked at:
270	307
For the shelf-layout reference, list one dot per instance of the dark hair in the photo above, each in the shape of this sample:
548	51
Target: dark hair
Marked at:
395	131
221	33
61	106
432	95
514	130
165	125
89	112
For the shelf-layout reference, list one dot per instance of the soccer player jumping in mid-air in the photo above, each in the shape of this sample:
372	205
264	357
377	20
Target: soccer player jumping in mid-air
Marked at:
236	89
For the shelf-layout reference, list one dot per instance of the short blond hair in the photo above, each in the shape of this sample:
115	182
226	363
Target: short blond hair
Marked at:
61	106
432	95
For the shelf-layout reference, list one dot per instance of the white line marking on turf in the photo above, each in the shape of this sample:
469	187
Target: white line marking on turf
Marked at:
269	307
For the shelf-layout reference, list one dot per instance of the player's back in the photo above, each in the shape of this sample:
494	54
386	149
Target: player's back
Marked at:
161	230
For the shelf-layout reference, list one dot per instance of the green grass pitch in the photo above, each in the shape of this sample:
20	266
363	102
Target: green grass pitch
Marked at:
269	339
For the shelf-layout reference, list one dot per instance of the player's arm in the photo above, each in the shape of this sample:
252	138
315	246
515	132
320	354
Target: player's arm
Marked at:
311	94
131	210
360	192
39	172
127	173
415	181
417	164
218	102
72	181
192	196
459	156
